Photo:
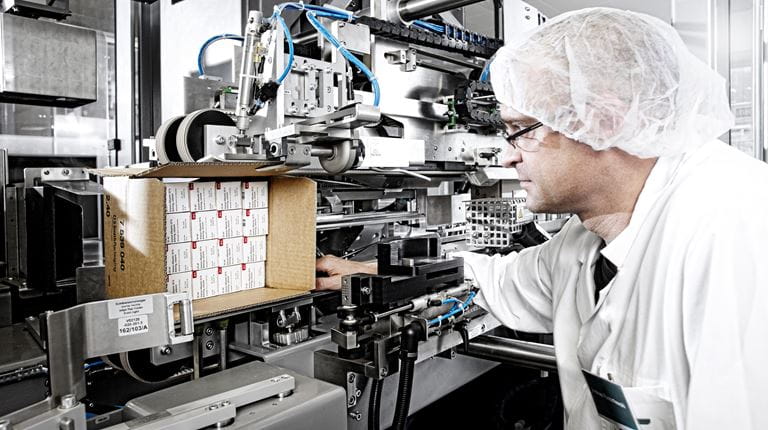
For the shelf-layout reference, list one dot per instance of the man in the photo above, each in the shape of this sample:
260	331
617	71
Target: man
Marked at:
656	283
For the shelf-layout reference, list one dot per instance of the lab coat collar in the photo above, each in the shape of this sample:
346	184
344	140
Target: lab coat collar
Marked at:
660	177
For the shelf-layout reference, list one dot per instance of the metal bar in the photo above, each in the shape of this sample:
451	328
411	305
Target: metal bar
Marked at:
511	351
448	59
223	348
757	80
415	9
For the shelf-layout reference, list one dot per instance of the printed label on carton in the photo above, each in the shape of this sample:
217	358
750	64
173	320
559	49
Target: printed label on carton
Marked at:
253	275
205	254
230	279
230	251
254	249
178	228
255	222
202	196
205	283
176	197
204	225
255	194
178	257
180	283
230	223
228	196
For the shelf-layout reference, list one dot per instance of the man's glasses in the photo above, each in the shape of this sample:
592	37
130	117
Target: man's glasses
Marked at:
528	145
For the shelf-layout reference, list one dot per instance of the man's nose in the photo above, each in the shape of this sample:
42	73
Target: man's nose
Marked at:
511	156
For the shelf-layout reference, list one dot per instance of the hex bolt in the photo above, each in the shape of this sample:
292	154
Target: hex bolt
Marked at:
209	345
358	393
166	350
351	378
68	401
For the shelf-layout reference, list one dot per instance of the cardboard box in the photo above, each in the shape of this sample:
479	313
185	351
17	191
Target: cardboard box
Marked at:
180	283
253	275
254	249
205	283
205	254
178	228
134	218
205	225
229	223
228	195
230	251
202	196
255	222
178	257
230	279
255	194
177	197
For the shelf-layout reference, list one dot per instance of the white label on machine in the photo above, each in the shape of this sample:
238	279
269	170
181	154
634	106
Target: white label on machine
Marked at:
391	152
129	307
132	325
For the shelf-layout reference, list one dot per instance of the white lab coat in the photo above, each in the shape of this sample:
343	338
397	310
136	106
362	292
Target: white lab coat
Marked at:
685	320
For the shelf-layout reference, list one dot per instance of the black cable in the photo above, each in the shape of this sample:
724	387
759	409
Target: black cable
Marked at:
374	404
409	350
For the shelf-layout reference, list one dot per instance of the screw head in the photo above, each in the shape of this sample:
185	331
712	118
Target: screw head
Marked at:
209	331
351	378
166	350
209	345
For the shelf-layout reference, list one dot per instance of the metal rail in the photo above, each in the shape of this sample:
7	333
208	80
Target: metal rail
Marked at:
511	351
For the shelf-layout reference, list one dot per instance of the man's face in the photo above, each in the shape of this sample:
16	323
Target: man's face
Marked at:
558	173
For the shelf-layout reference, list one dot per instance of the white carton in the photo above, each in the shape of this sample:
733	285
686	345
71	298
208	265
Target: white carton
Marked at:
202	196
180	283
230	223
255	222
204	225
205	254
253	275
178	257
230	279
178	228
228	195
230	251
254	249
205	283
177	197
255	194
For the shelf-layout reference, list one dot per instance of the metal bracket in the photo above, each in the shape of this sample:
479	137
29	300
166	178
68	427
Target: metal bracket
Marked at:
102	328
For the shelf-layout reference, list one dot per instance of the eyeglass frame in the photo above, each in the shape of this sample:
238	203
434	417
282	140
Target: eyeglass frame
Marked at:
511	138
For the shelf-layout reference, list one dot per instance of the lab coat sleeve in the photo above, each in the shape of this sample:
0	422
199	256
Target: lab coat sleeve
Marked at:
514	288
725	318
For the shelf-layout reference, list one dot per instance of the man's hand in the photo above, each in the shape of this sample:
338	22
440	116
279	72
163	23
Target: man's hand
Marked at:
335	268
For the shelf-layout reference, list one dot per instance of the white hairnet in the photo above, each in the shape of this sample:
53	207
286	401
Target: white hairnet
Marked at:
612	78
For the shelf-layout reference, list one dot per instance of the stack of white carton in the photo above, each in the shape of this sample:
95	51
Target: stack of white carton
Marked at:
216	236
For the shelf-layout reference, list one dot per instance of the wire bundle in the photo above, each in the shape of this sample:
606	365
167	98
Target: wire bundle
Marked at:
458	307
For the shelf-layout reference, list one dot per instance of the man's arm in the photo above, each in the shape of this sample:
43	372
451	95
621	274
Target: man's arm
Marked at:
335	267
725	327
